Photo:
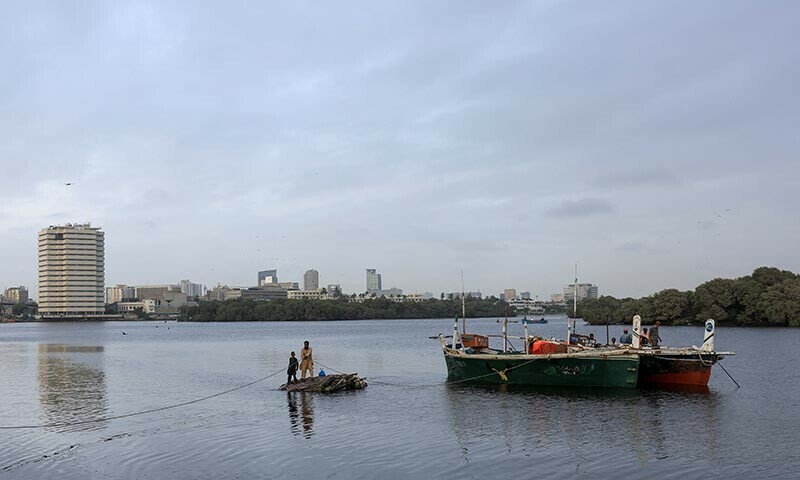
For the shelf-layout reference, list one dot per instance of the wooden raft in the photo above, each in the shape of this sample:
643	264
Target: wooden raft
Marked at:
328	384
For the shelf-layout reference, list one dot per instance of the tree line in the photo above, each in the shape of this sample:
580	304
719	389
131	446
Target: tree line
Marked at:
767	297
242	310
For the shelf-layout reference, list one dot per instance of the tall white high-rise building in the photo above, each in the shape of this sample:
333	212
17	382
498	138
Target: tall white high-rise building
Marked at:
71	271
373	280
311	280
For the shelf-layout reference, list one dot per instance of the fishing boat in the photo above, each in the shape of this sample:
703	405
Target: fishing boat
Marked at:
541	362
577	362
676	366
530	321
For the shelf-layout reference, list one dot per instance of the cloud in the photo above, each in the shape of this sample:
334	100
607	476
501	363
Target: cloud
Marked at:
583	207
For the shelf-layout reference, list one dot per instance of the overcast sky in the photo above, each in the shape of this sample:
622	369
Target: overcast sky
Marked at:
654	143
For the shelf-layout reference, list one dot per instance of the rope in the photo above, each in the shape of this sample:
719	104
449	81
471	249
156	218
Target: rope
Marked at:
143	412
453	382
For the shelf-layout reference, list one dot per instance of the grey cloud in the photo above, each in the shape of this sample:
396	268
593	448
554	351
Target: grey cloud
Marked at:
583	207
409	136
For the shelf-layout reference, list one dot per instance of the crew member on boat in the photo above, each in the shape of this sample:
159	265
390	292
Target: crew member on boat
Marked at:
654	338
625	337
306	361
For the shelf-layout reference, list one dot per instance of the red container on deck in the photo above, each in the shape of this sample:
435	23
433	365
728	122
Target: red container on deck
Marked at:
474	341
544	347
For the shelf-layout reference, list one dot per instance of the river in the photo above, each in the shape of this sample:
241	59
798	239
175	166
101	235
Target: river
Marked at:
417	428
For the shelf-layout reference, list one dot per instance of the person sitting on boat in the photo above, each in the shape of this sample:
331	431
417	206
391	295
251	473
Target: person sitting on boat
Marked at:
292	370
306	361
613	342
625	337
645	338
654	338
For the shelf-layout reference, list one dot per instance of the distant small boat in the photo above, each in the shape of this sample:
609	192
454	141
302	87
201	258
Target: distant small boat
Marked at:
529	321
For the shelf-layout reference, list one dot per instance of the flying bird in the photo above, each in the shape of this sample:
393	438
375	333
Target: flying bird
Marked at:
124	333
68	184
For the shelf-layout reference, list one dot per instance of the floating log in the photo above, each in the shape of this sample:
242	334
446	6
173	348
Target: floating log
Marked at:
328	384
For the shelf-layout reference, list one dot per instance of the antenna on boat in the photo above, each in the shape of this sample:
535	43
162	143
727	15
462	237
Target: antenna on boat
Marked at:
463	307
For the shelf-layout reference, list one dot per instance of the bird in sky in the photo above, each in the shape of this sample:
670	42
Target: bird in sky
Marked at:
69	184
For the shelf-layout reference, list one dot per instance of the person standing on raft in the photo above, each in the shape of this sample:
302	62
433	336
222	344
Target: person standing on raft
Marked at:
306	361
291	372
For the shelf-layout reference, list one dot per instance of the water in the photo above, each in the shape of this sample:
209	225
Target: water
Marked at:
68	372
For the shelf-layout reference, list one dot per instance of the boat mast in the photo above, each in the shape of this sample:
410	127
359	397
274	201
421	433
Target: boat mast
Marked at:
463	307
575	299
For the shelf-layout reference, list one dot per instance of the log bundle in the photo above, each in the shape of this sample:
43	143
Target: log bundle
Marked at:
328	384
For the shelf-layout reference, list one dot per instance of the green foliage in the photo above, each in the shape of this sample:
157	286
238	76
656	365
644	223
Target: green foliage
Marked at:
18	309
339	309
769	296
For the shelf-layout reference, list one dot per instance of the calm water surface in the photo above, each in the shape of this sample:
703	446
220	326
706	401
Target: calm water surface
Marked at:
69	372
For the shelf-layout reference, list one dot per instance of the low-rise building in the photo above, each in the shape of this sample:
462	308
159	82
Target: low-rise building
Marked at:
318	294
16	294
264	292
509	294
155	291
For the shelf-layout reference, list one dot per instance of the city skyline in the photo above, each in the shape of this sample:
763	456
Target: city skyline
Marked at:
510	141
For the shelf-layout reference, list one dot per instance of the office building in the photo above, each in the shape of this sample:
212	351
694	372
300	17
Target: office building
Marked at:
16	294
71	271
288	285
585	291
155	292
119	293
267	277
192	290
308	295
525	295
333	288
373	280
509	294
264	292
311	281
557	298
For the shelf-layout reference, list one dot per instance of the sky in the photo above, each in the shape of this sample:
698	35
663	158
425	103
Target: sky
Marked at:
655	144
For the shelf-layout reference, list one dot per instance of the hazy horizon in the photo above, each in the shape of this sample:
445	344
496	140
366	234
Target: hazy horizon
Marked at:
652	143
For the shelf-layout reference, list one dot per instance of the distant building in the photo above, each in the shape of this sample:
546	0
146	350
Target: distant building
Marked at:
373	280
525	295
557	297
289	285
266	277
585	291
155	291
119	293
509	294
264	292
16	294
389	292
169	304
192	290
527	306
311	280
333	288
308	294
217	293
457	295
71	271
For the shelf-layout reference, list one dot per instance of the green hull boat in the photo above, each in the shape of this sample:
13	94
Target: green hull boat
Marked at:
578	369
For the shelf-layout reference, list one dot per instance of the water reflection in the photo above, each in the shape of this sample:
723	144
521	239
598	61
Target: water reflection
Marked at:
72	384
302	421
649	425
